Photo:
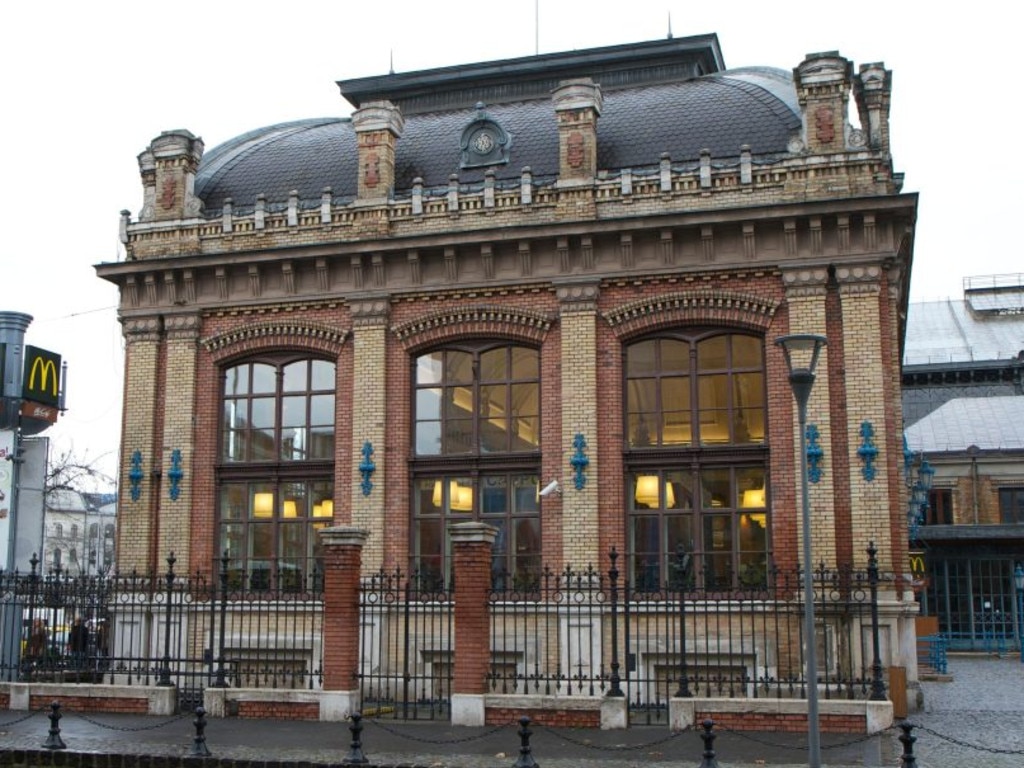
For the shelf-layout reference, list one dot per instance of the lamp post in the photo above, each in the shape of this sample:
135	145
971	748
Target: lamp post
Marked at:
1018	582
801	352
917	487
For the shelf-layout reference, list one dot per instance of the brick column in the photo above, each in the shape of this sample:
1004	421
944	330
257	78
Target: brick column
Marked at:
343	551
369	343
805	295
860	294
471	553
179	405
136	503
580	530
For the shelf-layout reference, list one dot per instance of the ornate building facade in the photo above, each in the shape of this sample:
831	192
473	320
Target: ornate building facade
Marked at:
568	267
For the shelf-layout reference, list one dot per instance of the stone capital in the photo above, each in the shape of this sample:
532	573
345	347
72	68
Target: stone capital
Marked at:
581	93
137	329
577	295
343	536
182	327
858	278
804	282
378	116
369	311
472	533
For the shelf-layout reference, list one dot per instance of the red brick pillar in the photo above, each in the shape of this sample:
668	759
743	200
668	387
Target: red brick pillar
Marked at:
343	556
471	555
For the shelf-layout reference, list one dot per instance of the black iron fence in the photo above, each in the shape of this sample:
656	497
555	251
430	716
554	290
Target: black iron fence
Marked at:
576	633
189	631
565	633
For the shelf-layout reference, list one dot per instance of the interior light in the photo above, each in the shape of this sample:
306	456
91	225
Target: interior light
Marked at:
324	509
753	498
290	509
647	492
263	505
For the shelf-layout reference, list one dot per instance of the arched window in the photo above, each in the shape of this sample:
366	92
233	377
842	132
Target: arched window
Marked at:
477	454
696	460
58	531
276	477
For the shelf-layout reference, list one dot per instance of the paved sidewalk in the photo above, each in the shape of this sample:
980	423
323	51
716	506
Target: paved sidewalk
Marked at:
963	722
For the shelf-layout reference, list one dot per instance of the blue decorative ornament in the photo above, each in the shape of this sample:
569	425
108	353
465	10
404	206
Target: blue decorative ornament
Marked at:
174	474
815	454
867	451
579	461
367	468
135	475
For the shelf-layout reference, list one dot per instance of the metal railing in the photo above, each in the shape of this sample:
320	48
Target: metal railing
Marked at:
189	631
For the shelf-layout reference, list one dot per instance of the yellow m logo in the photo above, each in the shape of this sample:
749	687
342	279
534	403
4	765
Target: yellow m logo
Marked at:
42	376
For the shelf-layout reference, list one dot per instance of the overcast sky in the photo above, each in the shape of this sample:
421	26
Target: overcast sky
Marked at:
88	85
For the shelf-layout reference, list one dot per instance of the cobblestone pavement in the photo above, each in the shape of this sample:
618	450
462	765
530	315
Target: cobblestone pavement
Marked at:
975	719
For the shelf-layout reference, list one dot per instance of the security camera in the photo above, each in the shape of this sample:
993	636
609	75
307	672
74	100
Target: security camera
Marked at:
552	487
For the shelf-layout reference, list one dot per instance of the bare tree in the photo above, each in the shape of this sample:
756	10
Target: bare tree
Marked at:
70	470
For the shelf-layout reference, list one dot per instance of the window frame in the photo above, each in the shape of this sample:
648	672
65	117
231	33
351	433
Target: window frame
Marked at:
274	474
692	459
473	467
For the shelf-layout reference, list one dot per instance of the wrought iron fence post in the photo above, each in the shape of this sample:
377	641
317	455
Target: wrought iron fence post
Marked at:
877	684
613	579
221	681
165	669
33	593
682	566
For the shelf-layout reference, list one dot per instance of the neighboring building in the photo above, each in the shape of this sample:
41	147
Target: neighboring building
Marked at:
964	411
564	267
79	537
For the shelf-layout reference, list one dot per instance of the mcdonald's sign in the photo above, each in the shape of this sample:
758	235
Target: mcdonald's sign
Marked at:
42	376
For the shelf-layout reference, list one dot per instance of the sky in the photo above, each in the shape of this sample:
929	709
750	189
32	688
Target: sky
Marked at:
87	86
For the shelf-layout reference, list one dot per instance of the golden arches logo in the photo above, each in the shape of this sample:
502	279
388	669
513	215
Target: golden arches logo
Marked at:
917	563
42	376
47	373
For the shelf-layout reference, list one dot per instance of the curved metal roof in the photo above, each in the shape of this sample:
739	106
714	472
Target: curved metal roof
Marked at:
719	112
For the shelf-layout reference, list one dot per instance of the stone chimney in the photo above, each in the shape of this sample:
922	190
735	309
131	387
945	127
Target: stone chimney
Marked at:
168	169
823	82
873	91
378	125
577	107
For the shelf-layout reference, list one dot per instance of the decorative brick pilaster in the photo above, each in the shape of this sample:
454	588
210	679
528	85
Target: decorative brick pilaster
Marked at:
137	492
179	404
472	544
580	529
369	418
860	292
805	296
342	552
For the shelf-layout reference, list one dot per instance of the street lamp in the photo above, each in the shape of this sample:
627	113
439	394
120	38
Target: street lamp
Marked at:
802	352
918	487
1018	582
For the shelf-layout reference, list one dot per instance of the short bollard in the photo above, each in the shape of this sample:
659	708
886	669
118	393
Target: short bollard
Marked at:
709	750
199	748
907	759
525	751
355	754
53	740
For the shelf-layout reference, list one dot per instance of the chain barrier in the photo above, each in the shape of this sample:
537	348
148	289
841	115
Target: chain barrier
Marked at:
124	728
421	740
966	744
27	717
748	735
614	747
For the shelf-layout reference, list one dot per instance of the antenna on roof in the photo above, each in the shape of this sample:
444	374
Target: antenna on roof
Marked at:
670	25
536	27
391	62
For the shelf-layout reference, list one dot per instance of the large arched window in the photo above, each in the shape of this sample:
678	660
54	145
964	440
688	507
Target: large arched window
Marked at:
477	439
695	459
276	472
